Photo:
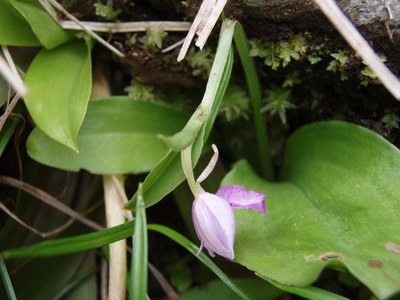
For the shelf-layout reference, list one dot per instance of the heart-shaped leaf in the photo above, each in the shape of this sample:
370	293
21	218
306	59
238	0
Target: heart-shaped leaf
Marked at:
337	204
118	136
59	82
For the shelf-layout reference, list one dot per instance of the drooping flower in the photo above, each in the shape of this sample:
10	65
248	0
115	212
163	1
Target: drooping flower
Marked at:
212	215
214	223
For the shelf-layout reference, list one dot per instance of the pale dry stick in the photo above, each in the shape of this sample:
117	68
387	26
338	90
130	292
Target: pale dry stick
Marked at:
83	27
359	44
118	255
170	292
9	110
14	80
50	200
210	22
40	233
122	197
127	26
194	28
173	46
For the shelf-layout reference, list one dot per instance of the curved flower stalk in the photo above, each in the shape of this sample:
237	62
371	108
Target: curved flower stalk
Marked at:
212	215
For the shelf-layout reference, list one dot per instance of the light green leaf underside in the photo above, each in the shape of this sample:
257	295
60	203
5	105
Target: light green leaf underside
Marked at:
14	31
338	204
118	136
47	30
59	82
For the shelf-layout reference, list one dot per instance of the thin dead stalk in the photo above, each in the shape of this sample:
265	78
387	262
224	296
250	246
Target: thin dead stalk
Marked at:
49	200
359	44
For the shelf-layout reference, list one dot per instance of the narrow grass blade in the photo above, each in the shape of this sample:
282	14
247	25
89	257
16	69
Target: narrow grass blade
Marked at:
308	292
73	244
6	280
192	248
253	84
138	276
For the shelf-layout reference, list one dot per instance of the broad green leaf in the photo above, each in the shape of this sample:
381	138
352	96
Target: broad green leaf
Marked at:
138	276
118	136
14	30
337	205
217	289
47	30
168	174
59	82
308	292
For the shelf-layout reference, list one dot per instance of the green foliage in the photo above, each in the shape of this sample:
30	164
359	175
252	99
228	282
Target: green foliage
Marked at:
138	91
336	180
281	53
340	63
201	61
125	133
106	11
153	39
236	104
391	119
58	95
47	30
277	102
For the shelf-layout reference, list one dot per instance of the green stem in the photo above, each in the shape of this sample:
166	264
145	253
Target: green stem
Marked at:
254	88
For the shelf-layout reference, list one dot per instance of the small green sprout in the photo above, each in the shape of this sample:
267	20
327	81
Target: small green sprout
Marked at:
277	102
369	75
154	37
291	79
391	119
236	104
138	91
201	61
106	11
340	63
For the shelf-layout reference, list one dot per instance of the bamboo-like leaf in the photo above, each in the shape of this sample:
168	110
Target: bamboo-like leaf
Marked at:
138	276
47	30
59	82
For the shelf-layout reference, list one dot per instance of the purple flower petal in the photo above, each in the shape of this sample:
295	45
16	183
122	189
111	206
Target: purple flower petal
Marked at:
239	198
214	223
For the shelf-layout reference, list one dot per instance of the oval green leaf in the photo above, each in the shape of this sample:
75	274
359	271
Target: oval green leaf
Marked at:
47	30
59	82
14	30
118	136
338	205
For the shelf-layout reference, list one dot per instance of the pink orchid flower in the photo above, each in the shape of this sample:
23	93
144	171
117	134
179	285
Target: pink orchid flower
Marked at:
213	216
